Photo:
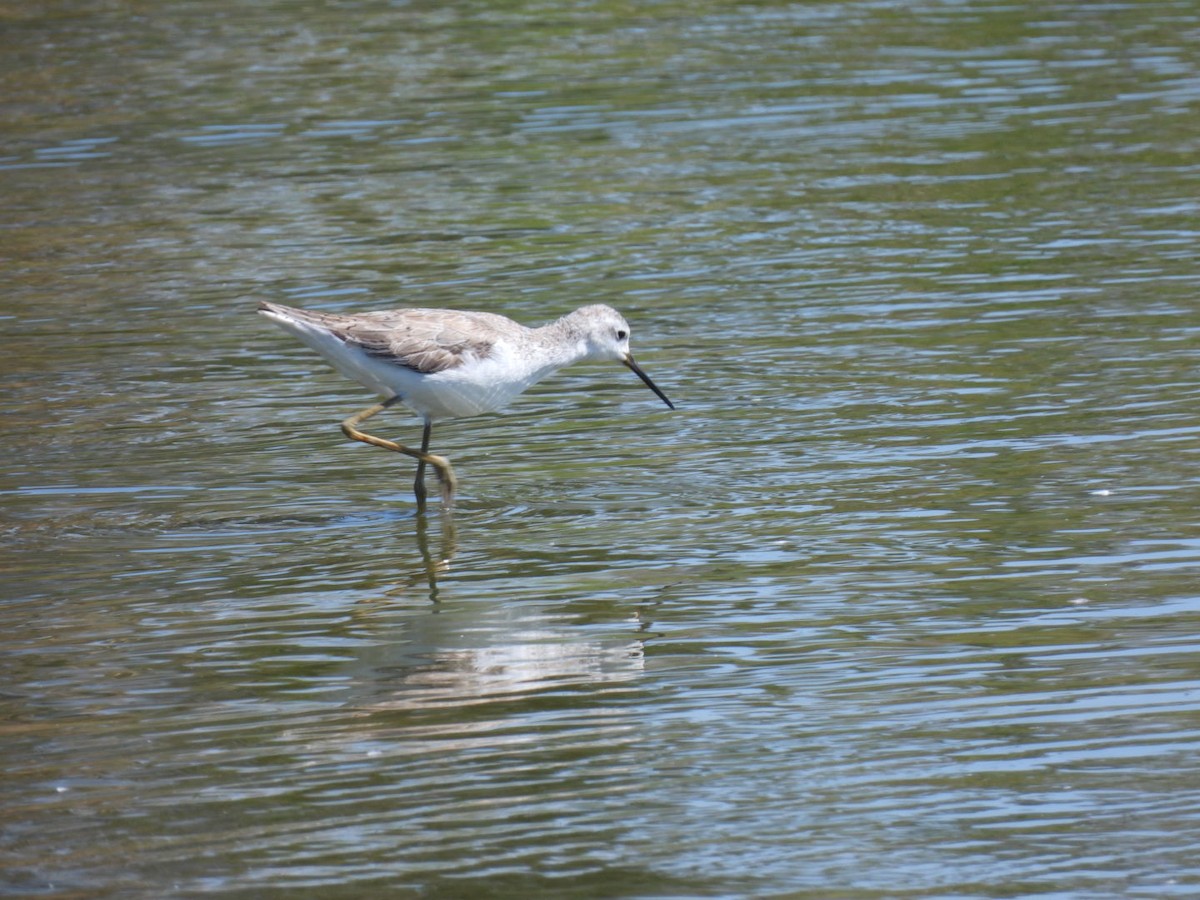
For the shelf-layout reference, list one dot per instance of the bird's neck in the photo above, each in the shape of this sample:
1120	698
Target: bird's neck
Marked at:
562	343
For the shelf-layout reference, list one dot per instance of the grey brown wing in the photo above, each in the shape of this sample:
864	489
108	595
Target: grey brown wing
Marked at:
424	341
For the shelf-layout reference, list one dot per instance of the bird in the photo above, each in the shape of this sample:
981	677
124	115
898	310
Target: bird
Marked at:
448	364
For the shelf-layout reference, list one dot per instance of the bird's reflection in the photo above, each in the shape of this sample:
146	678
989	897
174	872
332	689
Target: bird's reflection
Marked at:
422	570
424	654
435	563
487	652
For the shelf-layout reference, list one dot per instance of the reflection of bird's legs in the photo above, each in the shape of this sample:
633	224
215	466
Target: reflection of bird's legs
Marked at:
440	464
440	563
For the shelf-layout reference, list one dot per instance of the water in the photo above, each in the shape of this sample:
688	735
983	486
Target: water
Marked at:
900	602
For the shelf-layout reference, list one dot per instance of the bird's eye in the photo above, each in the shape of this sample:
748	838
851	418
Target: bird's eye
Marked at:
622	334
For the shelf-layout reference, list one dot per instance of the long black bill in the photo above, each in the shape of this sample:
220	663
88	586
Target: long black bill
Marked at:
637	370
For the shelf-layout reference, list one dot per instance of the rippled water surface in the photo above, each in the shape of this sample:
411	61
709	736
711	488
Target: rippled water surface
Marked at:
900	602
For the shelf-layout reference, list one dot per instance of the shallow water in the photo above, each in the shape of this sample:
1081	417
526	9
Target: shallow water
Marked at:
902	601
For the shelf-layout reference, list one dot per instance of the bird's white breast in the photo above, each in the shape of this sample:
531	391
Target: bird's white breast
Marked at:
477	386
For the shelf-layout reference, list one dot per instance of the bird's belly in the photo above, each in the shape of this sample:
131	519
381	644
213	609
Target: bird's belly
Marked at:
447	396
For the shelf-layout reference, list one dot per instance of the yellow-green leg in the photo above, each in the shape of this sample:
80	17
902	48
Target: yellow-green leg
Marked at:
440	464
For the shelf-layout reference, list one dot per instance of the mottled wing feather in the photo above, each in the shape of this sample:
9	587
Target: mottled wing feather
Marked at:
414	338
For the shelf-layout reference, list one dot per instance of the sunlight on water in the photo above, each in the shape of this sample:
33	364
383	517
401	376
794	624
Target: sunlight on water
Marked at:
899	602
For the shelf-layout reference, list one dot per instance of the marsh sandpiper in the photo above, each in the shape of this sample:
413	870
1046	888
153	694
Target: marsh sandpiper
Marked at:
447	364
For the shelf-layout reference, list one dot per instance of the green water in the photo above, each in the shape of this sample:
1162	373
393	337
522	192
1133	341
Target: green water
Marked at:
900	602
